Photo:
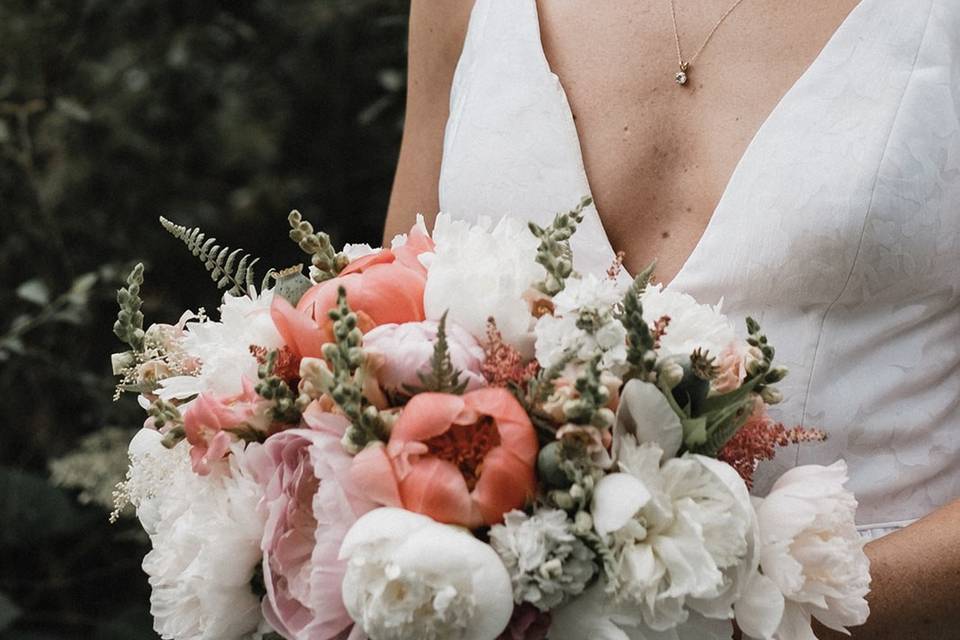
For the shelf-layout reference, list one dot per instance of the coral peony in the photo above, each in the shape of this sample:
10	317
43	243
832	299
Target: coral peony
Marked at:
459	459
309	505
382	287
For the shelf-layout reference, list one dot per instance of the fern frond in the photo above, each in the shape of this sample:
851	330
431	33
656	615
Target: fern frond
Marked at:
323	256
220	262
129	324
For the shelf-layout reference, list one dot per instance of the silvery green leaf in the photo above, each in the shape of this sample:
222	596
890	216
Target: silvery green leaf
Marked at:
34	291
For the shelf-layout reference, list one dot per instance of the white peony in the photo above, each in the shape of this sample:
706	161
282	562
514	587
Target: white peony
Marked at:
205	535
594	616
692	325
481	271
411	577
811	550
547	562
675	529
584	323
223	348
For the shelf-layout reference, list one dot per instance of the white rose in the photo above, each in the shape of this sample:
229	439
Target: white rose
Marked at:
411	577
811	550
481	271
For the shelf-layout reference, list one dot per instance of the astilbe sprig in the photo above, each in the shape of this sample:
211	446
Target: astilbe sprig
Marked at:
339	376
325	259
503	365
554	252
758	440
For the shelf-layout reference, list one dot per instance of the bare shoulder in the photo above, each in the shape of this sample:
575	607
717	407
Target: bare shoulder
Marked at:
437	32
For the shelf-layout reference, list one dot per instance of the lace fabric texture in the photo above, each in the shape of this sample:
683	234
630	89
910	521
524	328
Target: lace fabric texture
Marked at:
839	230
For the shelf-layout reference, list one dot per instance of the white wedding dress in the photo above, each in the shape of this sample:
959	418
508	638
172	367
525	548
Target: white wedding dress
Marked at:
839	230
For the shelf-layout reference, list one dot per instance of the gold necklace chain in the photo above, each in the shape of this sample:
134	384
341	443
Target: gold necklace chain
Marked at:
681	76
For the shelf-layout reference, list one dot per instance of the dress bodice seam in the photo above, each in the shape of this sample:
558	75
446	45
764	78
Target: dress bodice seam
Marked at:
866	217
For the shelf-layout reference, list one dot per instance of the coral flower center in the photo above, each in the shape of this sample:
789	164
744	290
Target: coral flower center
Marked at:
466	446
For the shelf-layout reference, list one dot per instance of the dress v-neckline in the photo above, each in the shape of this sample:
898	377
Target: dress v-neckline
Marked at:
751	146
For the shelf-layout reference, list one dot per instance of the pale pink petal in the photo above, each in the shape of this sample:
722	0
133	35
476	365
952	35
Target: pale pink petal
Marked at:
373	475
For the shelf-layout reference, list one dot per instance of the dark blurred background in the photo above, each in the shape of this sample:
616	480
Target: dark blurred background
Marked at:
221	114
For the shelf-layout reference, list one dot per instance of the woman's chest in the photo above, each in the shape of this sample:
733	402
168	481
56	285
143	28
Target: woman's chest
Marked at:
658	155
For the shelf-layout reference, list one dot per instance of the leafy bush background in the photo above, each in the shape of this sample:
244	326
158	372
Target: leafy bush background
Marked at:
112	113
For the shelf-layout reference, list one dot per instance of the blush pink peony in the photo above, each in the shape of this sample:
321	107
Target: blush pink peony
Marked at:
406	349
310	503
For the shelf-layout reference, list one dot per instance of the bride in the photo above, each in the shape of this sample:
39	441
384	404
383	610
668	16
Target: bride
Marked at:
799	160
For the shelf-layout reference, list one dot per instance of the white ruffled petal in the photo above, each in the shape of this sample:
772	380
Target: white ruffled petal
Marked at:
616	499
647	415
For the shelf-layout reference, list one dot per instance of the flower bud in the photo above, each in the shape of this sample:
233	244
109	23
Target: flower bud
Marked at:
669	373
771	395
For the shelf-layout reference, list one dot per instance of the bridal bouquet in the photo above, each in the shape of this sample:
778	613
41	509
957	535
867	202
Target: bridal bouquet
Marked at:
461	437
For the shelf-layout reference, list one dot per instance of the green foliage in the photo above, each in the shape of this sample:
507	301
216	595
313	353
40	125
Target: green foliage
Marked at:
640	340
327	262
275	389
554	252
343	382
592	398
722	416
129	324
443	377
221	262
217	115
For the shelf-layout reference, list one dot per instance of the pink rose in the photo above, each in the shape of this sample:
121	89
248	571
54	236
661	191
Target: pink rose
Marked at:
732	368
310	504
406	349
209	420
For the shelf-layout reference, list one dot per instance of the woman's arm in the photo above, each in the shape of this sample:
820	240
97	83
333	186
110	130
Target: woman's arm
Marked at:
915	591
437	31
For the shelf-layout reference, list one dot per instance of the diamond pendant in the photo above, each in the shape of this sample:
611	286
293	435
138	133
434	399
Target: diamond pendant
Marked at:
681	76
